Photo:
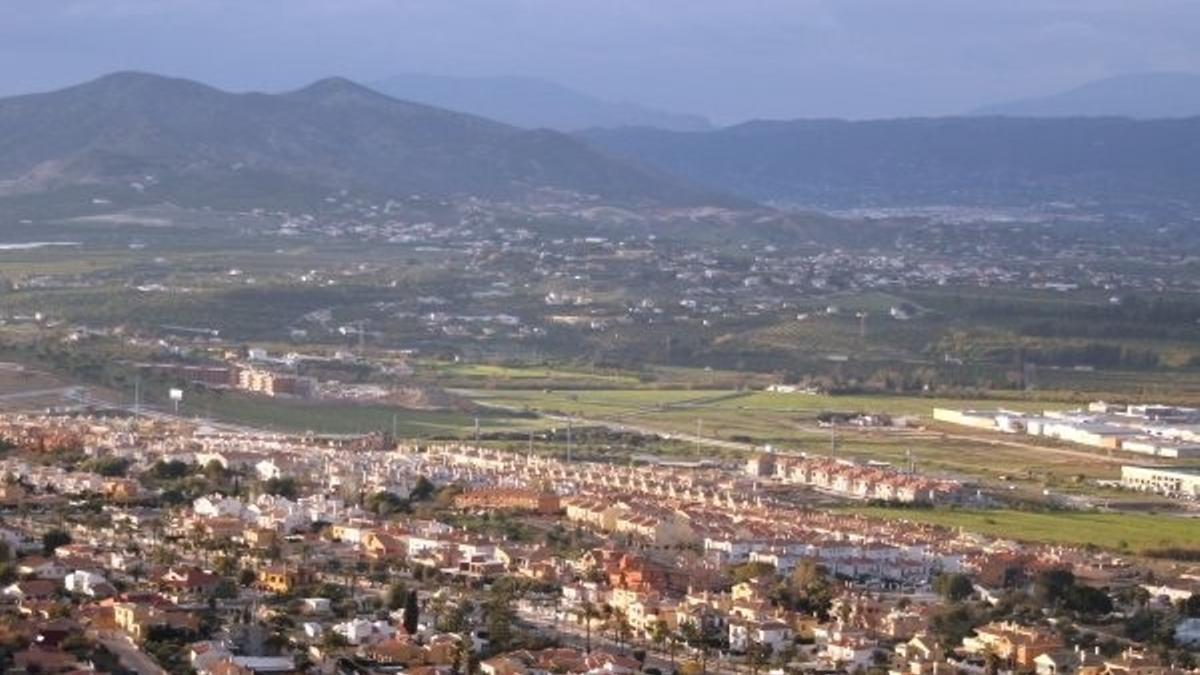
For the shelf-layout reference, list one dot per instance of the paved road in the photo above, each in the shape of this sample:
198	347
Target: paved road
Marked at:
574	635
64	392
128	653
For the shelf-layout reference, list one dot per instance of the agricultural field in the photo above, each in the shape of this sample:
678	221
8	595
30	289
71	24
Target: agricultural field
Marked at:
325	418
1136	533
731	423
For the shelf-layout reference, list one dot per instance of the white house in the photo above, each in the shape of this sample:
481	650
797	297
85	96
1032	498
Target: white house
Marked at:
362	632
317	606
84	582
268	469
217	506
775	634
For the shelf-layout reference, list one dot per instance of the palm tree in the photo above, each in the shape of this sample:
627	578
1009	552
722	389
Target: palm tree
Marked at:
659	634
698	638
589	613
673	646
757	654
620	626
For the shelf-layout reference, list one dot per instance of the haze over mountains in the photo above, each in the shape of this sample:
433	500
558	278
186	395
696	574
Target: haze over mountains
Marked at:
531	103
965	160
1136	95
187	140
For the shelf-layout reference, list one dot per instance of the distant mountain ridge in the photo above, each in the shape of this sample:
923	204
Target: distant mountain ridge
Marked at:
185	139
955	160
1136	95
532	103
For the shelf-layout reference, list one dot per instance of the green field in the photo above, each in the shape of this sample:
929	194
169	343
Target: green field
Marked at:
789	422
1119	532
626	402
302	416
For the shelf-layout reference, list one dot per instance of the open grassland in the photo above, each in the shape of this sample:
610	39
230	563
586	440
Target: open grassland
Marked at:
570	376
731	407
472	375
1116	531
304	416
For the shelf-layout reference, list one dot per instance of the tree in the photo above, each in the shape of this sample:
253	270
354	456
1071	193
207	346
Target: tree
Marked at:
953	587
701	636
1050	587
332	641
247	577
620	627
589	612
659	634
225	589
226	565
172	470
284	486
464	657
397	595
422	490
807	590
499	617
110	467
458	619
385	503
1088	600
751	571
757	655
951	625
1191	606
53	539
412	613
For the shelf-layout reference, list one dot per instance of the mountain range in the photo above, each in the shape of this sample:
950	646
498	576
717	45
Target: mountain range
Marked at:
1135	95
937	161
186	140
173	140
531	103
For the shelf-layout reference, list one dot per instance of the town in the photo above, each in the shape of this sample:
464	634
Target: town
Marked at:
151	543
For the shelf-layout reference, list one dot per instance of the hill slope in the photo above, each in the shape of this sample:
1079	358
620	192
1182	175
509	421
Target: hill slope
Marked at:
972	160
187	140
1137	95
531	103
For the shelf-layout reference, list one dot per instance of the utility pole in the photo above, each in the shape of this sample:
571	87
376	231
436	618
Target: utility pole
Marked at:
137	396
699	434
568	440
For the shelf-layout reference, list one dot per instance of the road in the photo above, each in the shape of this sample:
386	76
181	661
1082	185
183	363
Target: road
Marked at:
81	396
573	635
130	656
1043	449
650	431
64	392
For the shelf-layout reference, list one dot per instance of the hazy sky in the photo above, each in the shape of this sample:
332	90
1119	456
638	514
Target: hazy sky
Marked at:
730	60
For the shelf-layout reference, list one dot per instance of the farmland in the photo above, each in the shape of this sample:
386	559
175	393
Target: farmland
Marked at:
737	422
1115	531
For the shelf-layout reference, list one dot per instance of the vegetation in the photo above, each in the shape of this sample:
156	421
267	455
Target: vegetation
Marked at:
1114	531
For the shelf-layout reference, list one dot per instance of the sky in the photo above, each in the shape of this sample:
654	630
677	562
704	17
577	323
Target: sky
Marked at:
730	60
